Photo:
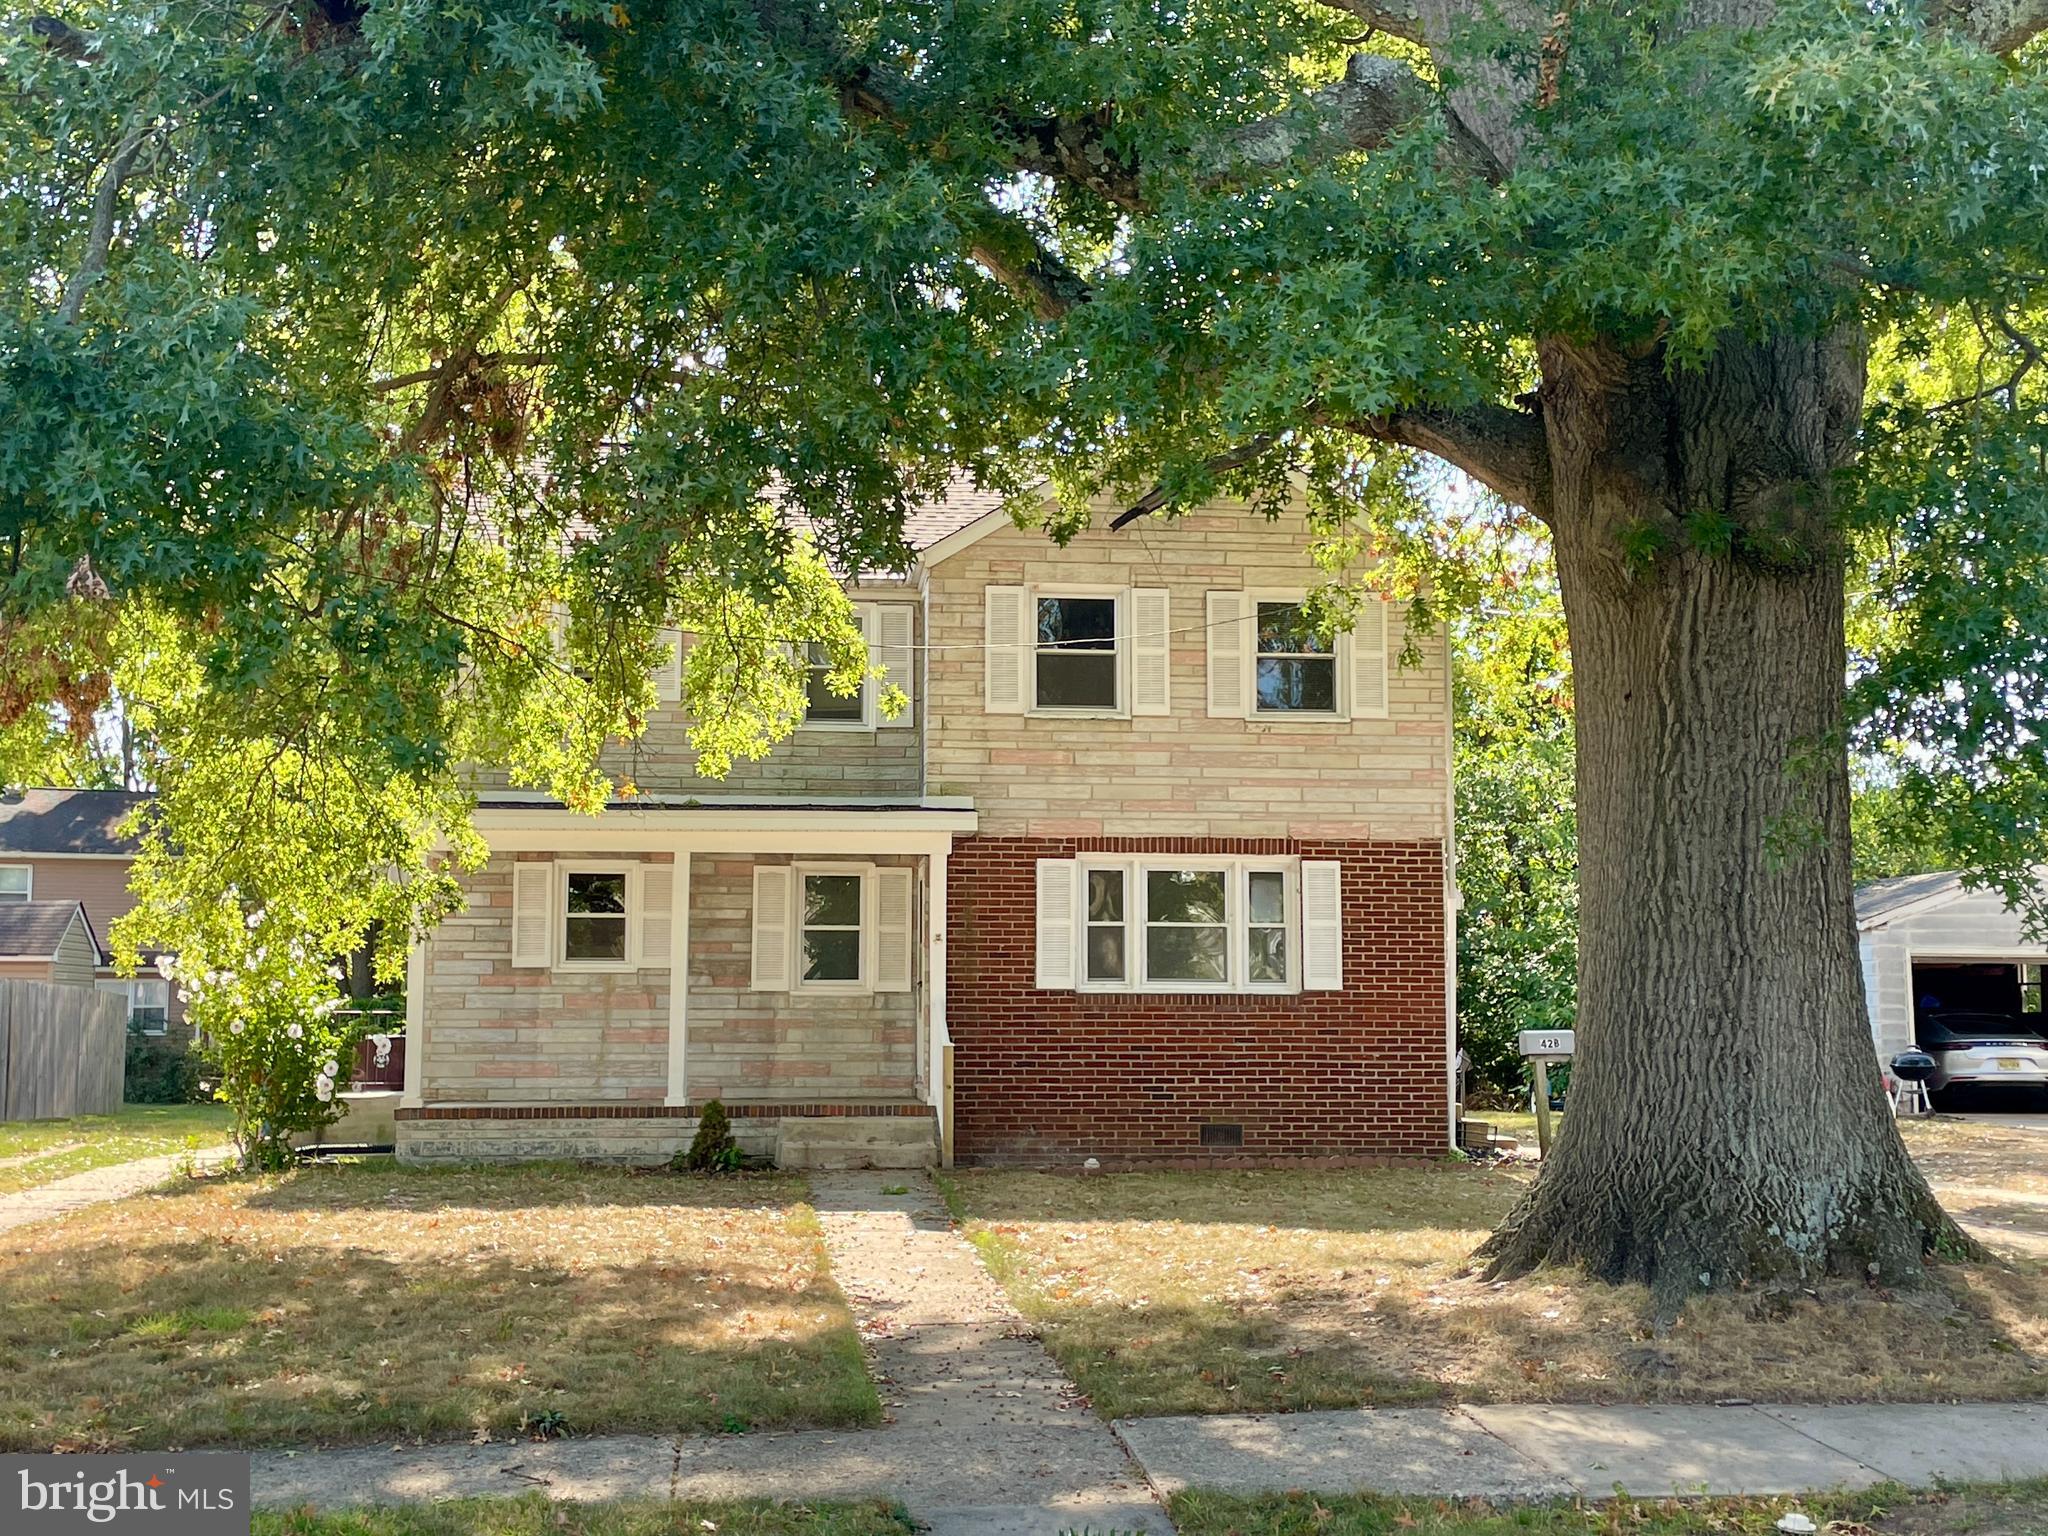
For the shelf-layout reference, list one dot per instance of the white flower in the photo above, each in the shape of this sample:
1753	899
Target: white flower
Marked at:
166	967
295	1030
254	919
323	1089
235	1028
330	1068
335	972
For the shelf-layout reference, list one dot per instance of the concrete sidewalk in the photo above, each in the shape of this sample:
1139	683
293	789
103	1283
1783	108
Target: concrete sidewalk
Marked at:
1536	1451
97	1185
984	1435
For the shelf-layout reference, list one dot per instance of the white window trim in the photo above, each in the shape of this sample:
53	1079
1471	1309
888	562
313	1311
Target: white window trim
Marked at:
1237	870
564	868
130	989
1341	654
870	626
1119	627
29	891
865	984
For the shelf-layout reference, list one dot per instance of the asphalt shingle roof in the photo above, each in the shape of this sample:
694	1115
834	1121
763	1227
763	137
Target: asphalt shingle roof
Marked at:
32	930
1880	898
67	821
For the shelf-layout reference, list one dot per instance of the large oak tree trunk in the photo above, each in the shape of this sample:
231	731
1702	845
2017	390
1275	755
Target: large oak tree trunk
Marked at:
1727	1124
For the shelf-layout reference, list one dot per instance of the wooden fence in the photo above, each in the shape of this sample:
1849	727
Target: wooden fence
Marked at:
63	1050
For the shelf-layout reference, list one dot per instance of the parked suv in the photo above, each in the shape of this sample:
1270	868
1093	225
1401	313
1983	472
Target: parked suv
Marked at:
1984	1048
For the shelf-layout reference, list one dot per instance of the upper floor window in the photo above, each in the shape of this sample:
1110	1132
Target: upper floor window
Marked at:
1104	652
17	882
1268	663
821	705
1076	665
889	630
1295	668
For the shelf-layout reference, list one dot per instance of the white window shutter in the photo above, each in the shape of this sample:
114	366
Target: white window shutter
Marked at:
533	914
1056	923
1369	661
668	672
1151	652
771	927
1228	665
897	656
892	930
1322	925
1005	669
655	913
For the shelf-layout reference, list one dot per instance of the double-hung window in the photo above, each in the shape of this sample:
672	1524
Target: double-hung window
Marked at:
821	705
830	904
1089	652
596	918
149	1003
833	928
1075	659
17	882
1295	667
1187	926
1171	924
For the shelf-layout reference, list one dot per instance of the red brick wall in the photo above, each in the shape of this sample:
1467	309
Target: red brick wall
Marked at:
1054	1077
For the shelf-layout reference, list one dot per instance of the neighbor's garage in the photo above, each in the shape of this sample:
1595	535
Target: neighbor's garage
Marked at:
1930	946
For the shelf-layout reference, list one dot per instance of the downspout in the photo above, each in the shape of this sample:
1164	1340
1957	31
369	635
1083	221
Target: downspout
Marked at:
1453	899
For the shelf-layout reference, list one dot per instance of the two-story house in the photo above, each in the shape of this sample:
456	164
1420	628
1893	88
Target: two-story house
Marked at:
71	846
1145	872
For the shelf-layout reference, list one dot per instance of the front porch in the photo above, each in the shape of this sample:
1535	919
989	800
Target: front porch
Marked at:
610	976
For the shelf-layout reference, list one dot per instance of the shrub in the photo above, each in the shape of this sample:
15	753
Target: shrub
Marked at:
161	1073
712	1149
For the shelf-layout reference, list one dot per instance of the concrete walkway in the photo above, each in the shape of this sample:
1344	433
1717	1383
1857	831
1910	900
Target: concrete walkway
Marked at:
96	1185
1536	1451
984	1434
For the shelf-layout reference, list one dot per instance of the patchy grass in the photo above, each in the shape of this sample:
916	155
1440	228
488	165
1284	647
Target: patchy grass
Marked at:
365	1302
1241	1292
1992	1178
536	1516
37	1152
2011	1510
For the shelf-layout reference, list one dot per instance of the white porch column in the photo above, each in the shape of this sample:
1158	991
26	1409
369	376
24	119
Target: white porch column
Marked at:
935	1077
679	983
415	1025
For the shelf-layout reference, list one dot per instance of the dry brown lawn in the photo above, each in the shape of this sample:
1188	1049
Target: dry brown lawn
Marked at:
372	1302
1208	1293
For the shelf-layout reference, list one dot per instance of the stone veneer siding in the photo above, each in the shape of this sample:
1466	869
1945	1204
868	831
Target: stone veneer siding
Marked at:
771	1047
1185	773
1131	1078
811	763
500	1034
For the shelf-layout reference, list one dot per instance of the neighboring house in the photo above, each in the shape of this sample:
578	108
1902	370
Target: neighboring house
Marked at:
1927	944
48	941
1144	873
67	845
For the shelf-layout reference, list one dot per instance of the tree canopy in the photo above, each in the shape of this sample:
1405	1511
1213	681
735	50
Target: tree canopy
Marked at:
350	342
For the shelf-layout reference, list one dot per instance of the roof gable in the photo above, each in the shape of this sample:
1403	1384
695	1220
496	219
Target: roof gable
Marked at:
35	930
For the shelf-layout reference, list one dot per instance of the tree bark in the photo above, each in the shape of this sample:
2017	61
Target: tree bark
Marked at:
1727	1126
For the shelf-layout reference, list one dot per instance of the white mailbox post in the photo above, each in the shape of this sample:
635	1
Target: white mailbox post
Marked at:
1541	1047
